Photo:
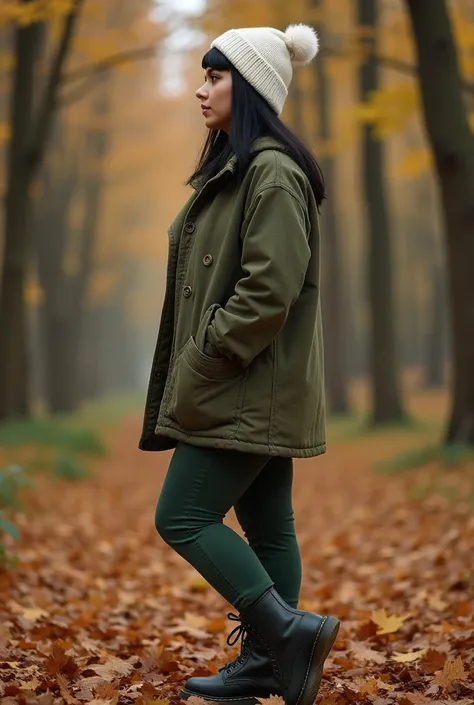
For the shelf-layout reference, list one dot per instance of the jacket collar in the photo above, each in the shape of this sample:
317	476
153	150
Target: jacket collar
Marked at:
260	145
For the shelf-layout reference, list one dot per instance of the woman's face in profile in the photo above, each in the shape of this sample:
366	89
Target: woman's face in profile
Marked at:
216	99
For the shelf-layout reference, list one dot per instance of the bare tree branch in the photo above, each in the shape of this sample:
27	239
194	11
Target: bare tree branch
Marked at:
390	62
84	72
76	94
40	130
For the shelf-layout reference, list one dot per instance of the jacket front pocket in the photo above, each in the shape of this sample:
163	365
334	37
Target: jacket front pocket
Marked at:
206	391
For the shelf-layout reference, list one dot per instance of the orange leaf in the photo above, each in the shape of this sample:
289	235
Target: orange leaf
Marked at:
272	700
453	671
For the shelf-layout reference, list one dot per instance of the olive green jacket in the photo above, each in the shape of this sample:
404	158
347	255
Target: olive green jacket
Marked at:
243	280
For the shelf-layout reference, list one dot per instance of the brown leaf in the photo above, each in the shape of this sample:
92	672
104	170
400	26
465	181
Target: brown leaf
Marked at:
5	635
366	630
90	682
63	687
464	609
433	661
84	694
272	700
332	699
108	692
148	690
45	699
59	662
453	671
436	603
201	672
369	687
405	675
414	699
346	663
364	654
433	689
195	700
113	668
169	666
12	689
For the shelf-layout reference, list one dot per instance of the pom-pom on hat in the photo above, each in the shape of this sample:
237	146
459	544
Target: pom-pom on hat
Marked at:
265	57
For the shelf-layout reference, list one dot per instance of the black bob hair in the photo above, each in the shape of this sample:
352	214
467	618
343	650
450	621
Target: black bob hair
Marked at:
252	117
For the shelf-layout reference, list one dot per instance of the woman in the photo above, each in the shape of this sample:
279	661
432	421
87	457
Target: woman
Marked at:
237	378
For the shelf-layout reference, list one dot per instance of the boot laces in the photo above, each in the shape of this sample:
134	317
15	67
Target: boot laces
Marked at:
241	631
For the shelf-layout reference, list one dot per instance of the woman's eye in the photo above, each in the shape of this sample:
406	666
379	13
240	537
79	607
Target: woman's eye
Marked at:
212	78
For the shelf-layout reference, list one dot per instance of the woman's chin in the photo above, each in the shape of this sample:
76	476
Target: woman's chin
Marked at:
211	123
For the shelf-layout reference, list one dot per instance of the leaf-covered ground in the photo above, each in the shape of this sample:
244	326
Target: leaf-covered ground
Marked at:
101	610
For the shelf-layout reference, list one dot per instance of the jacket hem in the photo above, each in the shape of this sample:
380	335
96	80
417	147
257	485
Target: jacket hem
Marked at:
236	444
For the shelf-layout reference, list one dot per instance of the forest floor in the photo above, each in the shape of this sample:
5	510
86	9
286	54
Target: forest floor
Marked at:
100	610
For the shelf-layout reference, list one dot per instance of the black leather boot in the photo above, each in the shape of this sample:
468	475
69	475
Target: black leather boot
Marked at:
248	677
298	643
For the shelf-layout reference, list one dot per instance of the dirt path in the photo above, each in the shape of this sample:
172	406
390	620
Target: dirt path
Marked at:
100	606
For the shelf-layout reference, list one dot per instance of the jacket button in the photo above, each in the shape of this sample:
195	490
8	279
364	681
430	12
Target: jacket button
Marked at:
207	260
190	227
187	291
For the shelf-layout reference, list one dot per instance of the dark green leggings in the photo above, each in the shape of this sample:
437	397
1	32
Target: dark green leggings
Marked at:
200	487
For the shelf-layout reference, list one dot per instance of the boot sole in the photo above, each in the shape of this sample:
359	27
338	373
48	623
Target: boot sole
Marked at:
244	700
322	646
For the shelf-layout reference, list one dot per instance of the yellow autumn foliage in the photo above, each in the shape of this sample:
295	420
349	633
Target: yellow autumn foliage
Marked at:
33	11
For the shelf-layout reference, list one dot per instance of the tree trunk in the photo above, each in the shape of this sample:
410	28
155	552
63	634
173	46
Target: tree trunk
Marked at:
332	290
62	344
26	151
59	340
448	131
91	380
117	369
97	145
435	354
13	348
387	404
65	293
296	103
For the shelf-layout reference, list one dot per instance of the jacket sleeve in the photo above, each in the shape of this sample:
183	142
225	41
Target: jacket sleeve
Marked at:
275	256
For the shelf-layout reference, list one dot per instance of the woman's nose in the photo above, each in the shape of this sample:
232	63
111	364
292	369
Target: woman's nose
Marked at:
201	93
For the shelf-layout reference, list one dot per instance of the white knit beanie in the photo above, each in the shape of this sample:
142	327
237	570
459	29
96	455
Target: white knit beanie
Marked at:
265	57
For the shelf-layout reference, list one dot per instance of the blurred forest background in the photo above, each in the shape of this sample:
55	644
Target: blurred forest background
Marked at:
99	128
